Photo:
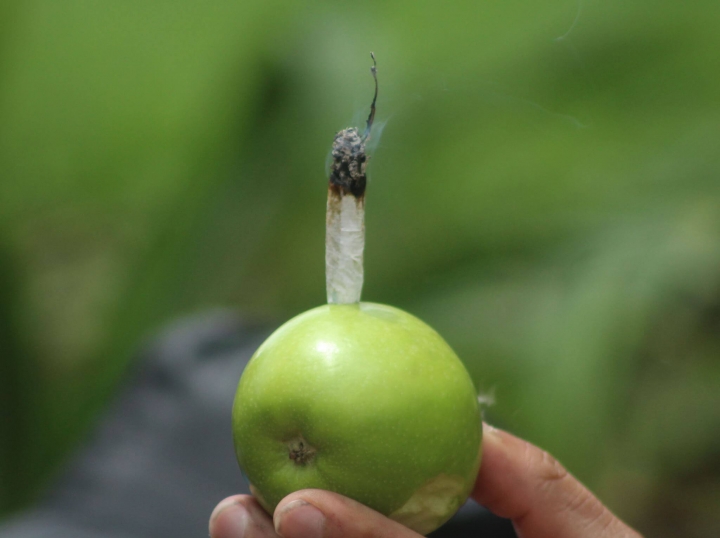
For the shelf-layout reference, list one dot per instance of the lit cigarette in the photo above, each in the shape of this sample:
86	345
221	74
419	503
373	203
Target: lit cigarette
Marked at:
345	219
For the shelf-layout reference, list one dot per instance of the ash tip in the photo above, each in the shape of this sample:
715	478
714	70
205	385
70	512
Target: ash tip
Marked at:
349	160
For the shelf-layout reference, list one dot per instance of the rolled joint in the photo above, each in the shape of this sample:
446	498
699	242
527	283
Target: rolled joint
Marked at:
345	236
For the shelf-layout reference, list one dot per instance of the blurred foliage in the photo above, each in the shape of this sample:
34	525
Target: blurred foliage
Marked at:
545	194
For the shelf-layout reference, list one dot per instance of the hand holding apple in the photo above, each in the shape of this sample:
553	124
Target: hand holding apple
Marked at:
357	419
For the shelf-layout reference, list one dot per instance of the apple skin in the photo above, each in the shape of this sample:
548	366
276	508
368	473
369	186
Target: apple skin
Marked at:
365	400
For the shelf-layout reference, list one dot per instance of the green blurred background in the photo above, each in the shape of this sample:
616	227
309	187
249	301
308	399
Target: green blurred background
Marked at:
545	194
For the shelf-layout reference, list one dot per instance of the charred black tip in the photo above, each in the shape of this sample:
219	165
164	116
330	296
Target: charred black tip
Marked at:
349	160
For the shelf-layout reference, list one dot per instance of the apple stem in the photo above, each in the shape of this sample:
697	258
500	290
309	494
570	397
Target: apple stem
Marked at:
345	217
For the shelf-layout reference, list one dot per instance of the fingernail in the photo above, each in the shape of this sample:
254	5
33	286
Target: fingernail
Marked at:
229	520
299	519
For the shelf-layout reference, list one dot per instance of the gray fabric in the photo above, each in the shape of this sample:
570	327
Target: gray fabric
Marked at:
163	457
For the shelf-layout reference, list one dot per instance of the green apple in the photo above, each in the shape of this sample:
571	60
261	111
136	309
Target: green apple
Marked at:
364	400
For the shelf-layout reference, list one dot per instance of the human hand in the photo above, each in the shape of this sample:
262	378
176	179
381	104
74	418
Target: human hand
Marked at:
517	481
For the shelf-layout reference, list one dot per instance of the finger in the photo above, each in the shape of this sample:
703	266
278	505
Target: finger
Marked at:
521	482
313	513
240	516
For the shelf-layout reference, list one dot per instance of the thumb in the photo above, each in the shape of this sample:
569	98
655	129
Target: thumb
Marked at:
313	513
519	481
